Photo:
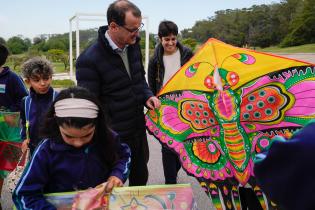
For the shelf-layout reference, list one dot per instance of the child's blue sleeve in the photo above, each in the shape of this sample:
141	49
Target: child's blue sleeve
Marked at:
121	169
28	193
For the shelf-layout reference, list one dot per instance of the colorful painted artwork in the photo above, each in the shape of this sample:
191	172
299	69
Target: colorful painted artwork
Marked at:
151	197
224	106
154	197
10	141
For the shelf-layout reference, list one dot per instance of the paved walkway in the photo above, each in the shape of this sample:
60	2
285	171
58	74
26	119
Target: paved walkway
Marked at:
156	175
308	57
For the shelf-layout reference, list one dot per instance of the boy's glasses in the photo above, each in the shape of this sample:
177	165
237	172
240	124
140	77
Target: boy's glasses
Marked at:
132	31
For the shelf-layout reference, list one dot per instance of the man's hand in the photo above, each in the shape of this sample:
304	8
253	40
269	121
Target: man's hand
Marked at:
112	182
153	103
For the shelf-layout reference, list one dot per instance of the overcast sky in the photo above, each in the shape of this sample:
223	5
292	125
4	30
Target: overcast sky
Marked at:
34	17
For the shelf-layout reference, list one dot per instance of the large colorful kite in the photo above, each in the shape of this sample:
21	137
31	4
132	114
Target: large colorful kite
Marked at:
224	106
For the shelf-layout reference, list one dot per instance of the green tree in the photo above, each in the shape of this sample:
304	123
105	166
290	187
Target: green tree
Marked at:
55	43
231	26
37	40
2	41
302	28
57	55
16	60
17	45
201	31
260	27
190	42
64	58
286	12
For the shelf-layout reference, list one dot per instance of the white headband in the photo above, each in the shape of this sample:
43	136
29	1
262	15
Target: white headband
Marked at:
76	107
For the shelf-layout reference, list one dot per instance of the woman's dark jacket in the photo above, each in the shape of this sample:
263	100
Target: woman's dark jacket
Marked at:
100	69
156	70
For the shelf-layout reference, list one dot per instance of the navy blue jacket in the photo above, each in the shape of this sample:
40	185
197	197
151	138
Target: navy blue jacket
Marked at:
156	69
101	70
286	174
12	90
58	167
38	108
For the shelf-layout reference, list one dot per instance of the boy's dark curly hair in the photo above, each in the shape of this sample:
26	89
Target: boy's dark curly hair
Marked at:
37	66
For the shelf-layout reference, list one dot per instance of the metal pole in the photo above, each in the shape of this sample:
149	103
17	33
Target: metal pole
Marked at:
70	50
147	44
77	39
77	19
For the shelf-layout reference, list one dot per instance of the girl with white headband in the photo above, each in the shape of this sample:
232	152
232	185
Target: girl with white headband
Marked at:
79	151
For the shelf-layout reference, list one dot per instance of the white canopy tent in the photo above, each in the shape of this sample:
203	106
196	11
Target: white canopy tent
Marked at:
98	17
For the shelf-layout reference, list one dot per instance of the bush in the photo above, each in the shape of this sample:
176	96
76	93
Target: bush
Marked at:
189	42
302	34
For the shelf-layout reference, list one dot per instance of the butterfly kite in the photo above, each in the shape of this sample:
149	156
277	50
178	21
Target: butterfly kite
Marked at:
224	106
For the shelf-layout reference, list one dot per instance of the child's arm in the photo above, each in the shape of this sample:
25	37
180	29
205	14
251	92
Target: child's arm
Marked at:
28	194
112	182
23	125
121	168
24	146
23	120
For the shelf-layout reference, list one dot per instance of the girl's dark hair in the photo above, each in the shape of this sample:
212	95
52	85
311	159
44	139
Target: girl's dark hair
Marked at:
167	28
116	11
103	136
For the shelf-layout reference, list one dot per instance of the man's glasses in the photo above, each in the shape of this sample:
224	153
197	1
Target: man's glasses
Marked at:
133	30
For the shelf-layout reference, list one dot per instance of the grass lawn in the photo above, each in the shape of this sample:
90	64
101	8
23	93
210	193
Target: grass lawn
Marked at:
62	83
59	67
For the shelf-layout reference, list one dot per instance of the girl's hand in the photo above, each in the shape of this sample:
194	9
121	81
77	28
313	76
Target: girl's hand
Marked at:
112	182
25	145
